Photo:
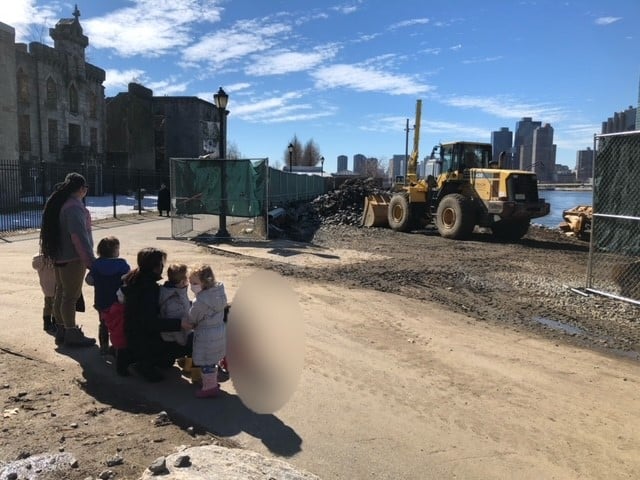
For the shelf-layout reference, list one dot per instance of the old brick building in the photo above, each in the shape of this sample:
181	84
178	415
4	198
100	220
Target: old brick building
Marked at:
57	97
144	131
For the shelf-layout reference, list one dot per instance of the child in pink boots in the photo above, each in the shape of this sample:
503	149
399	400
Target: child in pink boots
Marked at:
206	317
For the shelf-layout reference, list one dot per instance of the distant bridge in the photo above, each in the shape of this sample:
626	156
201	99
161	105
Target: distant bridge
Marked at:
565	186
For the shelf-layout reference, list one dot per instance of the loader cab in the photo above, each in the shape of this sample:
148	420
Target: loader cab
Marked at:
460	156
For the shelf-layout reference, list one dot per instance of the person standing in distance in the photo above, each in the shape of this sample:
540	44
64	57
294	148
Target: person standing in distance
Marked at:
164	199
67	241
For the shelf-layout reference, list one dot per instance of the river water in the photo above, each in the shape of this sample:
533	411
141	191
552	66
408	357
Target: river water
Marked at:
561	200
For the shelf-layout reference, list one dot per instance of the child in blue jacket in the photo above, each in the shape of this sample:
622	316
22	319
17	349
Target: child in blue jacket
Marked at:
106	275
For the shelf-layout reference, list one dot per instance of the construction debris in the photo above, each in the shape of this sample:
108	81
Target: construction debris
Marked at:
577	221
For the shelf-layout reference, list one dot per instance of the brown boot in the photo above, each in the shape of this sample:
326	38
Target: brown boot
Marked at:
73	337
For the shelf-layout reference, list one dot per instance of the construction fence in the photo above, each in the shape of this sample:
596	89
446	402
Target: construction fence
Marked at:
614	255
250	189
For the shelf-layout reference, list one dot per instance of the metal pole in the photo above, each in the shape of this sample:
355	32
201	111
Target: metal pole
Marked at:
139	192
113	188
222	229
406	148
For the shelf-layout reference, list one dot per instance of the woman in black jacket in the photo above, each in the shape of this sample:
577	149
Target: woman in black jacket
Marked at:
143	323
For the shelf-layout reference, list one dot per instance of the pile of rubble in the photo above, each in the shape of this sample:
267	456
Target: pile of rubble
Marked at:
344	205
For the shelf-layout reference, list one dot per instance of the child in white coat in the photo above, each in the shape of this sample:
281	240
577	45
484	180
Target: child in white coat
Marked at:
174	300
206	317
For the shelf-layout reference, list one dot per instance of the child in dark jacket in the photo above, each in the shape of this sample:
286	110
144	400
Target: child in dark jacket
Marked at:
106	277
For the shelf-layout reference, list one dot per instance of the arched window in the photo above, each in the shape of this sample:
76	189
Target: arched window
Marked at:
93	105
73	99
52	93
23	86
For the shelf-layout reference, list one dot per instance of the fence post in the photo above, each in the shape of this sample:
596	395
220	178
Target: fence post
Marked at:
113	188
139	192
43	184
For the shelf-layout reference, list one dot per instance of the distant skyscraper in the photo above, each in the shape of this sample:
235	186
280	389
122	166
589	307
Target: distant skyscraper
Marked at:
343	163
359	164
638	109
543	159
396	166
523	143
621	121
584	164
502	141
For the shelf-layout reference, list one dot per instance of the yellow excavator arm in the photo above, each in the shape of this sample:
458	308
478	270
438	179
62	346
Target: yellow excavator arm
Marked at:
412	163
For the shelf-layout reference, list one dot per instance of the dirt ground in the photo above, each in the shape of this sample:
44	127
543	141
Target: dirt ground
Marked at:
523	287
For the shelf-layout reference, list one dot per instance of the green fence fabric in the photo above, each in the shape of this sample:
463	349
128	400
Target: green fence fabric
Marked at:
252	186
197	186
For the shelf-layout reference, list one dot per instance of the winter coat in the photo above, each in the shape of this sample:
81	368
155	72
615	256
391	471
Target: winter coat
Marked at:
46	275
174	303
76	241
164	199
143	322
207	316
106	277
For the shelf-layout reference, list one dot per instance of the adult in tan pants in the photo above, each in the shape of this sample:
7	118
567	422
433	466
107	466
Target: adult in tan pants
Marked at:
66	239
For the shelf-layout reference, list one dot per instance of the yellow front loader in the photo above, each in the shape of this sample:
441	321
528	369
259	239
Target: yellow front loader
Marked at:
465	190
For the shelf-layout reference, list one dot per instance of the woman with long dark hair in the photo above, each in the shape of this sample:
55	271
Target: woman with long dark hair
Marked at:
66	240
143	323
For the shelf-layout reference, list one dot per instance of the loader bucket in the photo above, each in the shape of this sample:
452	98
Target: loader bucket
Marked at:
375	211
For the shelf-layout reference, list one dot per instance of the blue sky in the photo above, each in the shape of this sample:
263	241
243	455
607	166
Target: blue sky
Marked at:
347	74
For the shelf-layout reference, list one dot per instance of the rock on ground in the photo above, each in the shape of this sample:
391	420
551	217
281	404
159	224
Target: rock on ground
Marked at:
218	463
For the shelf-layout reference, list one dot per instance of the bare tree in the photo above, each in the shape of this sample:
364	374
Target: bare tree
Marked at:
311	154
233	152
296	156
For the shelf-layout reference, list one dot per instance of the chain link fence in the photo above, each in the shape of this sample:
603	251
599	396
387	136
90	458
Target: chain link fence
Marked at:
25	187
614	254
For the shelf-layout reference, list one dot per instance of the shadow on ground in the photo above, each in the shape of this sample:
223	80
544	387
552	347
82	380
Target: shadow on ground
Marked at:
225	416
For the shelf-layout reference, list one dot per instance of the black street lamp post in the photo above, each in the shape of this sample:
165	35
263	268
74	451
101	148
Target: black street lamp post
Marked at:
221	99
322	166
290	147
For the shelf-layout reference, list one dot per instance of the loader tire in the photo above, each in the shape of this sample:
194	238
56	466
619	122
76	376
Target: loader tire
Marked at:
455	218
399	213
510	230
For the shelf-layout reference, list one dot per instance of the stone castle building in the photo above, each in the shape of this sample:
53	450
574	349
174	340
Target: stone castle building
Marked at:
54	98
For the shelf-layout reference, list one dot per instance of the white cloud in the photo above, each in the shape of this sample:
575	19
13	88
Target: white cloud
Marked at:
244	38
455	48
575	136
168	87
346	9
507	107
606	20
116	80
31	22
367	80
237	87
280	108
445	130
483	60
288	62
409	23
150	28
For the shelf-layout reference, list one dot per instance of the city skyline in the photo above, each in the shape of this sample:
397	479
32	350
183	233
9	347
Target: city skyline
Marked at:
347	74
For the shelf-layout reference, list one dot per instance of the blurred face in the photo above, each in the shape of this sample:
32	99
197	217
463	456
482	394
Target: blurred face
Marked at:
196	284
159	268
